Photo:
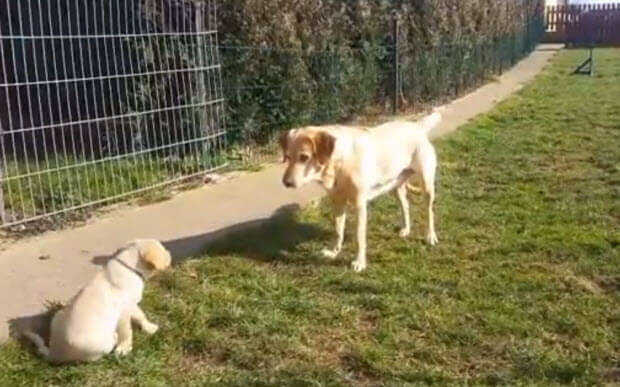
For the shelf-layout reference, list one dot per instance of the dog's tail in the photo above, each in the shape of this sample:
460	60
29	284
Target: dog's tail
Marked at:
431	121
38	341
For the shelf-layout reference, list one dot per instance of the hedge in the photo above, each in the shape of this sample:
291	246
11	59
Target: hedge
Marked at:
292	62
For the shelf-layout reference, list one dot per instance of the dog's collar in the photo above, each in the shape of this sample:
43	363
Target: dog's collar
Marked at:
126	266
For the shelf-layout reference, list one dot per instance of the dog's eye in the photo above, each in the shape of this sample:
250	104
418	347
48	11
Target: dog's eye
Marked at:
304	158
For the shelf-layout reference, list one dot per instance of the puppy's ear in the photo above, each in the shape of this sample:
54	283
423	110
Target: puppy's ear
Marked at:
324	144
155	256
283	140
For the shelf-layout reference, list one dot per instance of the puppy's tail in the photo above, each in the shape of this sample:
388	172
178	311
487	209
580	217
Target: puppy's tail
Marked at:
431	121
38	341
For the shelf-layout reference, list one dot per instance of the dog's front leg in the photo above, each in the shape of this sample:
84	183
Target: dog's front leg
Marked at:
340	221
124	335
138	316
362	217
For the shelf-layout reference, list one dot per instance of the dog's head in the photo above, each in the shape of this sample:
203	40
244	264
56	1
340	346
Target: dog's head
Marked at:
153	256
307	152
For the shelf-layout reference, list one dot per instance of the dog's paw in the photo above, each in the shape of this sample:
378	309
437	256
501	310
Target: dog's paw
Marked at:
330	254
431	239
404	232
123	349
149	327
358	265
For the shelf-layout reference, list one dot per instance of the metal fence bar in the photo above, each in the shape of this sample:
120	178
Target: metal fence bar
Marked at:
107	77
107	36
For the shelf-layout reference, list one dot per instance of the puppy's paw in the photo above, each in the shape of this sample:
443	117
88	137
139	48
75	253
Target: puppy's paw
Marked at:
149	327
431	239
123	348
358	265
404	232
330	254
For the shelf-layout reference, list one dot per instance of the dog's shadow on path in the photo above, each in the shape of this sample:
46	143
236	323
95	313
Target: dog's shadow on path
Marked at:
276	239
268	240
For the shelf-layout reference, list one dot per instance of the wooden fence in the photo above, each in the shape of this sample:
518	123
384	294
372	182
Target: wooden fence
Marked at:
583	24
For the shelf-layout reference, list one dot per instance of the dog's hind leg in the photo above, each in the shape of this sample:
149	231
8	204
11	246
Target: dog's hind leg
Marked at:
401	195
431	236
362	218
428	163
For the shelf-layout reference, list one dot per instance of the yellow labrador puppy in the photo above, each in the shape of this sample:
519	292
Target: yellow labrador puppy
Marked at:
356	165
98	319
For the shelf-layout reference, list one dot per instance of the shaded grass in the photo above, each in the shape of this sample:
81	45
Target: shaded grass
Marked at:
33	189
522	289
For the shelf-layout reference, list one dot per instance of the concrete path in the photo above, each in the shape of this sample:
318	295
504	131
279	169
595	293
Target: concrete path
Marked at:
189	220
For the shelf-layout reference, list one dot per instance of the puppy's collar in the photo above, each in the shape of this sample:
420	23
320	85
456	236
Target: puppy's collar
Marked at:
126	266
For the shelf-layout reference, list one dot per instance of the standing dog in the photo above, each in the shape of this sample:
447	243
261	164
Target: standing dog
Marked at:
99	317
357	165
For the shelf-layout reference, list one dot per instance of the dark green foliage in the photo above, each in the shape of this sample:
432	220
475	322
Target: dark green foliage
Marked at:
289	63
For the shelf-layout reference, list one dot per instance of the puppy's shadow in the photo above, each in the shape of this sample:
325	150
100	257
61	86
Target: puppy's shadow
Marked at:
267	240
38	323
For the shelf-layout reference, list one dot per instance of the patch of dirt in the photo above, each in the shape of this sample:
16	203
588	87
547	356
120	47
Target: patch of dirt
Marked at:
608	283
613	375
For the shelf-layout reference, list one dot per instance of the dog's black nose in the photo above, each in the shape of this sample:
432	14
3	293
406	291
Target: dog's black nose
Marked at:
287	183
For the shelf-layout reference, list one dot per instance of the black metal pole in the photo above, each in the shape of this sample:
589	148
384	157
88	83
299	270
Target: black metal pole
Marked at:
396	64
591	60
3	220
201	84
528	44
2	214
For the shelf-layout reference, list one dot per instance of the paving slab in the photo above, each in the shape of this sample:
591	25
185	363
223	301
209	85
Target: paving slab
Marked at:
55	265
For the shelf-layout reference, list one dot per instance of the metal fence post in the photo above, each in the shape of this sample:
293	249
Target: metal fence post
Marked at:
2	214
201	85
528	44
396	64
2	208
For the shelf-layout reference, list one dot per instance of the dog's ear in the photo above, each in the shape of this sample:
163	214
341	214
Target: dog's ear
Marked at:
324	144
283	141
155	256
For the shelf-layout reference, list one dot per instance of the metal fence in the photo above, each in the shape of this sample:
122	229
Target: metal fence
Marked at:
103	99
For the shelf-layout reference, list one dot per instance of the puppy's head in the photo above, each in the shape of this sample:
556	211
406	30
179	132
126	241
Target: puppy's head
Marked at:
306	152
153	256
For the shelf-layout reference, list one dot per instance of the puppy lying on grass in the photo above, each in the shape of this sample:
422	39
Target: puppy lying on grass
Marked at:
98	319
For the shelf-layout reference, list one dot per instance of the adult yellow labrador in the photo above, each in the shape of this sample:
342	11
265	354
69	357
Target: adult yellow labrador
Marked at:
98	319
356	165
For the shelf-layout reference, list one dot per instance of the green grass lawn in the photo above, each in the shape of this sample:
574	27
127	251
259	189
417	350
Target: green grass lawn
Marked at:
523	288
